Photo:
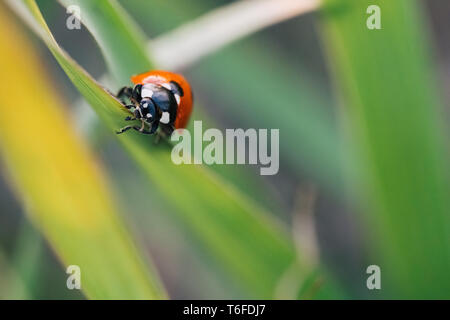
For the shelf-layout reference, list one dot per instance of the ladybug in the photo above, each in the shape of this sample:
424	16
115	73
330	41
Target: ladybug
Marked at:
159	99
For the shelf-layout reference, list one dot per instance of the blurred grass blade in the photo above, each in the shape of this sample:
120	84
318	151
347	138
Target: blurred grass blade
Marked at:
239	235
58	180
11	285
307	128
222	26
127	39
392	115
27	256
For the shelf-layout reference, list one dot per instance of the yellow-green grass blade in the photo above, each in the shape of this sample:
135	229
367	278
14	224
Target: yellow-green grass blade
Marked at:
59	182
240	235
392	114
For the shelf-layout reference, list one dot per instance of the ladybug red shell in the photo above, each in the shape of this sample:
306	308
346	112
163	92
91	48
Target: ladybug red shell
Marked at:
159	99
160	77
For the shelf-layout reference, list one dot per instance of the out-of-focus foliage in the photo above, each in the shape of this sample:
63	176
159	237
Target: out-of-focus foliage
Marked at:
59	182
241	235
252	81
392	116
387	158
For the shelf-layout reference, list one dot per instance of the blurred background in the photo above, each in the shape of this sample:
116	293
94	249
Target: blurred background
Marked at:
262	69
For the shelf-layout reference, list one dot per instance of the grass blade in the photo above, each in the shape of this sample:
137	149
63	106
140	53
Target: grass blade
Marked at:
392	116
128	57
63	190
213	31
11	285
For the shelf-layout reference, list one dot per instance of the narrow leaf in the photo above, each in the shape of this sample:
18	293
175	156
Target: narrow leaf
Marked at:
392	116
60	184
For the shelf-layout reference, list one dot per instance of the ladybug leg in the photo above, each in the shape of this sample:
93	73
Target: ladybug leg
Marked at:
167	129
133	95
157	138
142	131
126	92
124	129
142	128
154	127
129	106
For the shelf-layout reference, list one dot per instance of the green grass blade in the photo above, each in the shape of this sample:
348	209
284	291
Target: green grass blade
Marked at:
27	256
241	236
64	190
11	285
128	56
392	113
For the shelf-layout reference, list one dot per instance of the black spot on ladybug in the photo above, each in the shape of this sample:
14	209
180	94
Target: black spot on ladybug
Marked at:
176	88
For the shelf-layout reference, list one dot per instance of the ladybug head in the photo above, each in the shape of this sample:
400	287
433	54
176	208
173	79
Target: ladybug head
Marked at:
146	111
